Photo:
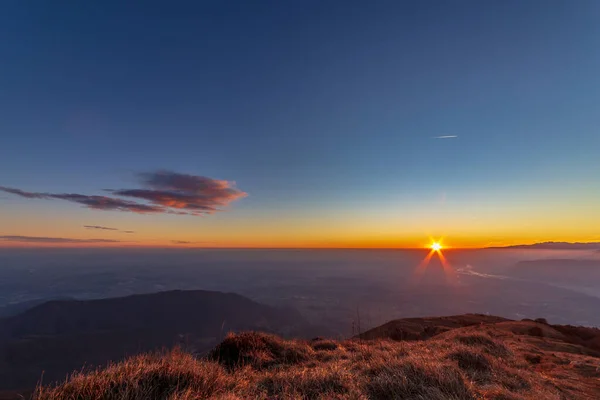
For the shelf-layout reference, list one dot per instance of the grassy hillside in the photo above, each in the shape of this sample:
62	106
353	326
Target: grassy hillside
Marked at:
495	360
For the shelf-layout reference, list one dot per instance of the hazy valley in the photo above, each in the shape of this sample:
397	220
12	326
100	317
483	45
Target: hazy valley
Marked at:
294	293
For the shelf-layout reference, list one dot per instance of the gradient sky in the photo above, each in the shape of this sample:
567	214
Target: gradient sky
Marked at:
324	113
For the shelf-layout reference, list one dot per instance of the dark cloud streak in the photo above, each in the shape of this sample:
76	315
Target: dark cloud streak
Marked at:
43	239
108	203
93	202
105	228
22	193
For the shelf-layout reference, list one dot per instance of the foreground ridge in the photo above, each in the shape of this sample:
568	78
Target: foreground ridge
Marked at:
500	360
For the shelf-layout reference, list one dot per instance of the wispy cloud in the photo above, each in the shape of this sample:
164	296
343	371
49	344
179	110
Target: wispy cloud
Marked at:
163	192
105	228
44	239
22	193
93	202
445	137
181	242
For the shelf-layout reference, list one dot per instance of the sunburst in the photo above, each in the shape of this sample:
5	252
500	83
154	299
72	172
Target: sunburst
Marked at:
435	248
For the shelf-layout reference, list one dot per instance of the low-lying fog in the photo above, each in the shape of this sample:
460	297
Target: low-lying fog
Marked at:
335	288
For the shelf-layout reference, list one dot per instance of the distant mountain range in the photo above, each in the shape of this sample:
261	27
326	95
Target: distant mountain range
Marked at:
60	336
554	246
10	310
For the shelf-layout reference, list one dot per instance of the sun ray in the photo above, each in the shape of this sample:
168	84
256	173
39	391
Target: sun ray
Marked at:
448	270
436	248
423	264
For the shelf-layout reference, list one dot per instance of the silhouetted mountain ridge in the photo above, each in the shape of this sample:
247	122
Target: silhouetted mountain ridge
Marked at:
10	310
171	310
553	246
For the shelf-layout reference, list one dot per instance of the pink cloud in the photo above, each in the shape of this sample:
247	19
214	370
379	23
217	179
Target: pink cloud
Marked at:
162	192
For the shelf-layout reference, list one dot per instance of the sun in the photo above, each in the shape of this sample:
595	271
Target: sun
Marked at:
436	246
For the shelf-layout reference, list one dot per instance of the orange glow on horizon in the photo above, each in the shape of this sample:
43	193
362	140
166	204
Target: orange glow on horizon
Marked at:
278	245
181	239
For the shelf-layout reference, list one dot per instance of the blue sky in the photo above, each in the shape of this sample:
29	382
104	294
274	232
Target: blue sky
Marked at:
313	108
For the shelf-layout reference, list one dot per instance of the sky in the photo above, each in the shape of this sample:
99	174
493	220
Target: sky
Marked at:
299	123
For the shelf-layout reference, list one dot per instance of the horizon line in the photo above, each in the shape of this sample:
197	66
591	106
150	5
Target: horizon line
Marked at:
188	247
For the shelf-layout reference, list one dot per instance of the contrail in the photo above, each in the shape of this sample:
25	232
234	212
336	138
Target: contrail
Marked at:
445	137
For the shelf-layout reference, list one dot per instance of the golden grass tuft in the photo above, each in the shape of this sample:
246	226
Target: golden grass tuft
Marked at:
153	376
416	380
324	344
259	350
485	342
471	362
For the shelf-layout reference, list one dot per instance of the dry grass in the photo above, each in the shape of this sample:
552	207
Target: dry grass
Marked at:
146	377
259	350
486	343
465	365
324	344
410	379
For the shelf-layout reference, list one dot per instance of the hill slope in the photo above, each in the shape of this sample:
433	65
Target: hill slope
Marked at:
492	360
424	328
58	337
